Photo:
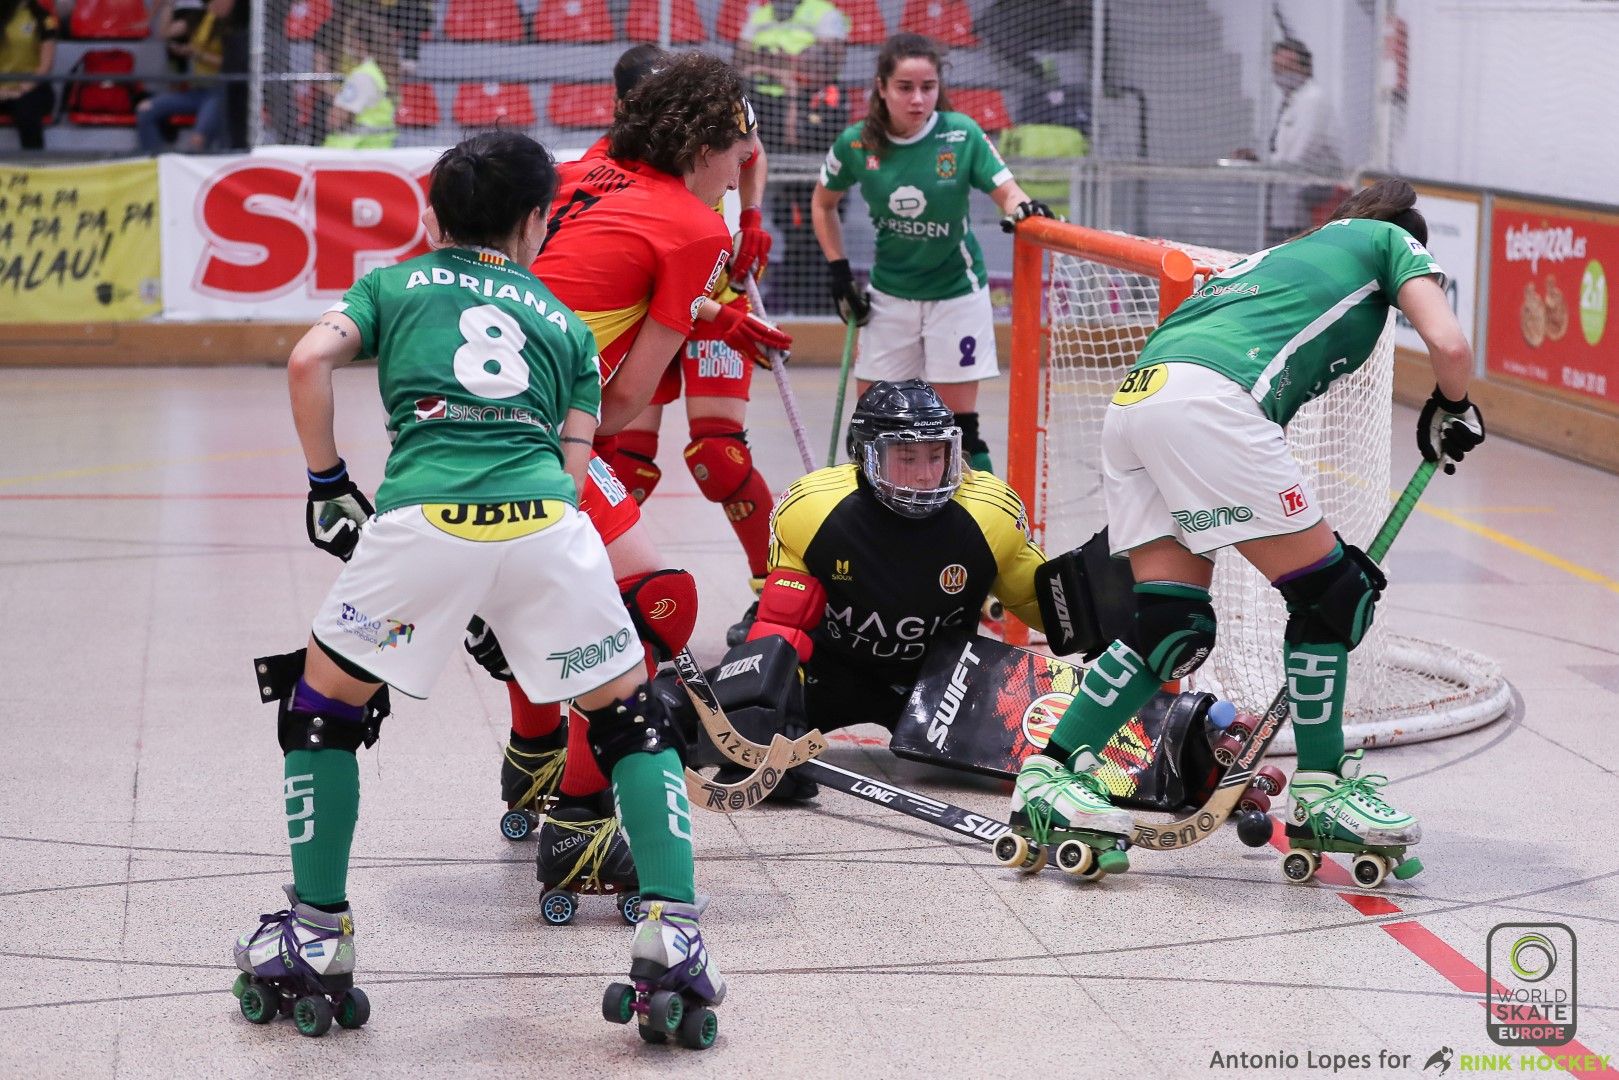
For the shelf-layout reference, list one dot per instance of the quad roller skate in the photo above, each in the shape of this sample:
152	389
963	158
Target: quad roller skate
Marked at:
300	963
673	981
1345	812
528	783
584	852
1068	814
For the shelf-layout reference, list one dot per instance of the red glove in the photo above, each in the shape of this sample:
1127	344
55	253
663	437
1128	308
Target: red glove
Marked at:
747	333
752	245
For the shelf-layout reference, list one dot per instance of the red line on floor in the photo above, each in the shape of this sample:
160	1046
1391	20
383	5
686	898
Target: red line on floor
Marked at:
1428	947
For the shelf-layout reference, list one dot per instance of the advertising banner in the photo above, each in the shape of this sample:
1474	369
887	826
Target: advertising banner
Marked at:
1453	238
1549	308
78	243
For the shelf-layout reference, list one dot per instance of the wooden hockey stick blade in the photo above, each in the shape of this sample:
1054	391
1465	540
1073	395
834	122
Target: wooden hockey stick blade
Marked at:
735	746
747	792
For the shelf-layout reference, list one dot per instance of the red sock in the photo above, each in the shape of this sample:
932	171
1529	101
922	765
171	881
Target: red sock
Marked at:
529	720
580	776
749	513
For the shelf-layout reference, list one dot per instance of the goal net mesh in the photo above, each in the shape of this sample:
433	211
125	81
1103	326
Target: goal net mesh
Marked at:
1401	688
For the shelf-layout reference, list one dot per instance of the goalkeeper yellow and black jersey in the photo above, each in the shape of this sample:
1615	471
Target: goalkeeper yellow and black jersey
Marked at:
891	582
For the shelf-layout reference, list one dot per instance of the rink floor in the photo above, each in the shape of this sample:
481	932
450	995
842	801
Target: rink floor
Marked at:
151	543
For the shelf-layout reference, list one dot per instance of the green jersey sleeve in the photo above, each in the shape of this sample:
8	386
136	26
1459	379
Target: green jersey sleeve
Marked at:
988	169
360	304
1402	257
838	171
587	382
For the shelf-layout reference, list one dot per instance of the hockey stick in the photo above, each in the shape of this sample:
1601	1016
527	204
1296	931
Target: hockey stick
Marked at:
734	745
849	333
778	368
747	792
1202	823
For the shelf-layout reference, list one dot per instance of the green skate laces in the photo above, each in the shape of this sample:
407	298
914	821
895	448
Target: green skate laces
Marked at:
587	867
1364	788
1042	810
546	773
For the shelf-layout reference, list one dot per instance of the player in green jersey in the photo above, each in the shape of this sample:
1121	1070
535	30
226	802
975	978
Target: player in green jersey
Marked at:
493	392
928	314
1194	459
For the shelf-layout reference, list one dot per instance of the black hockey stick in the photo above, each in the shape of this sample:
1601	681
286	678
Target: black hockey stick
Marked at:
980	827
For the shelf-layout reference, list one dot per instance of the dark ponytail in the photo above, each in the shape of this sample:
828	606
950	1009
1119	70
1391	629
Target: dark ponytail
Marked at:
874	133
482	188
1393	201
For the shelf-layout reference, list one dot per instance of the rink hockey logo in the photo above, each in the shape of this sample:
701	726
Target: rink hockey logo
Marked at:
396	630
582	658
954	693
953	578
1040	718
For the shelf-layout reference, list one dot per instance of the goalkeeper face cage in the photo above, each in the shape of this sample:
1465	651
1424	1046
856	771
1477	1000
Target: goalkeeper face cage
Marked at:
913	473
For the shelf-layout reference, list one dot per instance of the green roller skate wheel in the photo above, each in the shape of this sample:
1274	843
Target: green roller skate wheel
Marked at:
665	1009
698	1029
312	1015
239	987
1113	862
618	1003
259	1002
1410	868
354	1010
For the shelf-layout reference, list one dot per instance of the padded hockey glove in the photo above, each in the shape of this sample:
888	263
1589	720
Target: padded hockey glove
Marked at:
1027	209
750	335
335	511
1448	429
483	646
752	245
854	303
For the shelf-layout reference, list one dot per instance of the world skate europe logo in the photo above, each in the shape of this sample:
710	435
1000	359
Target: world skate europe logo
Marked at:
1531	984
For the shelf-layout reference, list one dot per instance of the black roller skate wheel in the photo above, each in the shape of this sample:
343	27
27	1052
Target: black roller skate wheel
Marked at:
259	1002
312	1014
618	1003
648	1034
629	907
516	824
664	1011
1254	828
353	1009
698	1029
558	907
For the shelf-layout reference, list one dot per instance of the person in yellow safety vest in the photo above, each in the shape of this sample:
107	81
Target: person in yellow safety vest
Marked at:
1050	130
780	37
362	113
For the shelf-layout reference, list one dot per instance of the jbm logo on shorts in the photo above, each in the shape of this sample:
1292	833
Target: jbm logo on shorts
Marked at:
1201	520
584	657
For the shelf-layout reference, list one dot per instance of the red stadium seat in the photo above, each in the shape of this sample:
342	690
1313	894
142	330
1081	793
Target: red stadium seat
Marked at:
685	25
573	20
118	19
949	22
483	20
95	103
580	105
418	106
306	17
733	15
984	104
493	105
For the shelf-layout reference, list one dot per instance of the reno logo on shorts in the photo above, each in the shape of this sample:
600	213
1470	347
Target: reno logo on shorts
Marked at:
1194	521
953	578
582	658
383	633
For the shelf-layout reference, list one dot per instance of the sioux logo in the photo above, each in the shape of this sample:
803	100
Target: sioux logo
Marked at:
430	408
737	667
1293	500
1040	718
945	714
582	658
953	578
662	609
840	570
1199	520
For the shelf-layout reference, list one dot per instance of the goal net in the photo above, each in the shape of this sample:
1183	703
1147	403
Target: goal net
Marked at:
1084	302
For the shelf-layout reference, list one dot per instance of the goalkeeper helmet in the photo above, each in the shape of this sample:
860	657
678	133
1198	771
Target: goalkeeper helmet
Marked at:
907	446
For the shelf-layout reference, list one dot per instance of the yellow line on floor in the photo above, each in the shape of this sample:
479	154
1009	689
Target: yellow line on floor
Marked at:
137	466
1584	573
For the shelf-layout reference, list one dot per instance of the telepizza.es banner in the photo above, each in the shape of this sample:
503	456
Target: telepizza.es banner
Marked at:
78	243
1549	310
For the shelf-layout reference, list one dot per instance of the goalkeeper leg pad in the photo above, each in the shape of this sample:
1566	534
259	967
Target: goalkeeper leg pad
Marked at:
1086	598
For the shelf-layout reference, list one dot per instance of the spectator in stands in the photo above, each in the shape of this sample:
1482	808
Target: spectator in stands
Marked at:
179	20
28	30
204	49
1014	29
1051	128
361	116
791	53
1304	137
411	21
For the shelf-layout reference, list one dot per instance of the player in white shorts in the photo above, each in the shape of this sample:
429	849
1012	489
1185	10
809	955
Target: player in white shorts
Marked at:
1195	459
916	163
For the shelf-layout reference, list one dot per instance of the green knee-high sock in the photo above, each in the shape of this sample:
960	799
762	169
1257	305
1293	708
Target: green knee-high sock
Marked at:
1113	689
1316	679
652	804
322	794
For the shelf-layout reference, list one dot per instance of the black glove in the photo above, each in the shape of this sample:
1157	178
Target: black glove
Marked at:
485	648
854	304
335	512
1448	429
1027	209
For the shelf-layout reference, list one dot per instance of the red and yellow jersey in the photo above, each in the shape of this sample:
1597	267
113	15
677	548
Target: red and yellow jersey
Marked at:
627	242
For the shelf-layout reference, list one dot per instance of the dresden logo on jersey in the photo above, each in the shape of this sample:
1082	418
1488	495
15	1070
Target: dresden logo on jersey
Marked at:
430	408
1040	718
840	570
945	166
953	578
907	201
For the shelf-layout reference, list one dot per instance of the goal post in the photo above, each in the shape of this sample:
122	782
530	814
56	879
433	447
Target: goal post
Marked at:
1083	304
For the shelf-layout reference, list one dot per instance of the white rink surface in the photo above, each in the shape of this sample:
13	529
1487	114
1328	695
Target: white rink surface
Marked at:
151	543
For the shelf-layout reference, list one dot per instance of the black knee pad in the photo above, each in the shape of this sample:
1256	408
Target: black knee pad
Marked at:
667	688
1173	634
1335	603
297	730
971	441
636	725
